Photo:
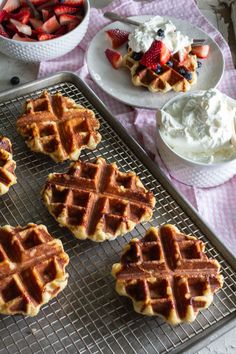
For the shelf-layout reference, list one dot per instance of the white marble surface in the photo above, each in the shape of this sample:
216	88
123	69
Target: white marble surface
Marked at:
27	72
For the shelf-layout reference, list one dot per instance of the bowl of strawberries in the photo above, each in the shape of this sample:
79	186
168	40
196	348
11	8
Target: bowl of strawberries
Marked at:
46	30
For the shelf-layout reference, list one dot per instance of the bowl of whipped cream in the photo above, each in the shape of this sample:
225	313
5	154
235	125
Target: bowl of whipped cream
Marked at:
195	137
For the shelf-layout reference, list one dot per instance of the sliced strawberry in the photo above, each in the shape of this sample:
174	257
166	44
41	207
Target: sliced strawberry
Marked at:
22	16
114	57
25	29
158	53
71	26
61	9
45	14
23	39
46	36
65	19
51	25
11	5
3	15
201	51
62	30
11	30
73	2
48	5
3	32
38	2
35	22
117	37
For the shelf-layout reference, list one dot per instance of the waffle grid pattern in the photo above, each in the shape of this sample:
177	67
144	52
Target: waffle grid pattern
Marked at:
89	316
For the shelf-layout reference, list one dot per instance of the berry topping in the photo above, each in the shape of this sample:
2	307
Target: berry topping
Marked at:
117	37
170	63
188	75
161	33
199	64
114	57
137	56
201	51
158	69
182	71
15	80
158	53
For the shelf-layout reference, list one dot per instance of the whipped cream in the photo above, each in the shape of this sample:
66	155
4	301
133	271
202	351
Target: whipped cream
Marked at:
141	39
200	126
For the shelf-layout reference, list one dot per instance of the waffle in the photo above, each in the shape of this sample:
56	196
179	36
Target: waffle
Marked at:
169	79
97	201
167	274
59	127
32	268
7	165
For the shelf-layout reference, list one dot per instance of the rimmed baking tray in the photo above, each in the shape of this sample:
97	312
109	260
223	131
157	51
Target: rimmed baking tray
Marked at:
89	316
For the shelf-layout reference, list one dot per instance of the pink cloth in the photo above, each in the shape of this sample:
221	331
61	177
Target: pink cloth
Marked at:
216	205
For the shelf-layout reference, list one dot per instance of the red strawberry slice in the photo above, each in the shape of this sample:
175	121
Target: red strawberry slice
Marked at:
22	39
65	19
117	37
3	15
114	57
158	53
25	29
73	2
3	32
36	23
22	16
61	9
46	36
11	5
45	14
201	51
71	26
62	30
51	25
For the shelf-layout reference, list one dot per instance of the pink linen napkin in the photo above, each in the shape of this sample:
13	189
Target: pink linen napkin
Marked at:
216	205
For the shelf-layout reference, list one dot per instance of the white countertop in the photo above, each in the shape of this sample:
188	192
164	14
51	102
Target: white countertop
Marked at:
27	72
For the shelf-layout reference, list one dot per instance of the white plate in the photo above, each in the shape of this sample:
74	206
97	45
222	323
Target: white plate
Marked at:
117	83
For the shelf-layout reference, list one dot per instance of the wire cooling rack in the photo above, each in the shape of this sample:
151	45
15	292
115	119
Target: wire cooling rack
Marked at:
89	316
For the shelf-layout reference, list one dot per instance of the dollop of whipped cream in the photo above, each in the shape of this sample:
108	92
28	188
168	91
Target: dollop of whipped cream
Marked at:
200	126
143	36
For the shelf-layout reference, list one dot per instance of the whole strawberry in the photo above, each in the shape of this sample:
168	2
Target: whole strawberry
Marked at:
158	53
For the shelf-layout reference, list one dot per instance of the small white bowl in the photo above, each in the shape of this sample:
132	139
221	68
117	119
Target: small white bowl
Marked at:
192	173
46	50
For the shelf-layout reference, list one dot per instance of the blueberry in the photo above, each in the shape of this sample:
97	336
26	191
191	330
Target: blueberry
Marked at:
199	64
15	80
188	75
161	33
158	69
170	63
137	56
182	71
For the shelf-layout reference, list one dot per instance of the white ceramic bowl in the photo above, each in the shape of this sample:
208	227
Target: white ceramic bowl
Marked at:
191	172
46	50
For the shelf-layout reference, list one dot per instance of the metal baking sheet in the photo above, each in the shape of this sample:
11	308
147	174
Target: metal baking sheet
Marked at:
89	316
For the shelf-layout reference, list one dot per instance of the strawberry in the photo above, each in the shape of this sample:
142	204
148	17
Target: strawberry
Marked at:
38	2
3	15
117	37
71	26
22	16
45	14
51	25
22	39
25	29
201	51
61	9
11	5
62	30
114	57
65	19
158	53
3	32
46	36
73	2
35	23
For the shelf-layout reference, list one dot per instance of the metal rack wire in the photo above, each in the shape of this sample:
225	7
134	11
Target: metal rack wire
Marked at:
88	316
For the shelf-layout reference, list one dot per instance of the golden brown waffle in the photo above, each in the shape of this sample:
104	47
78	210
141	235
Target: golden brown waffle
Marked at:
167	273
7	165
32	268
58	126
169	79
97	201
